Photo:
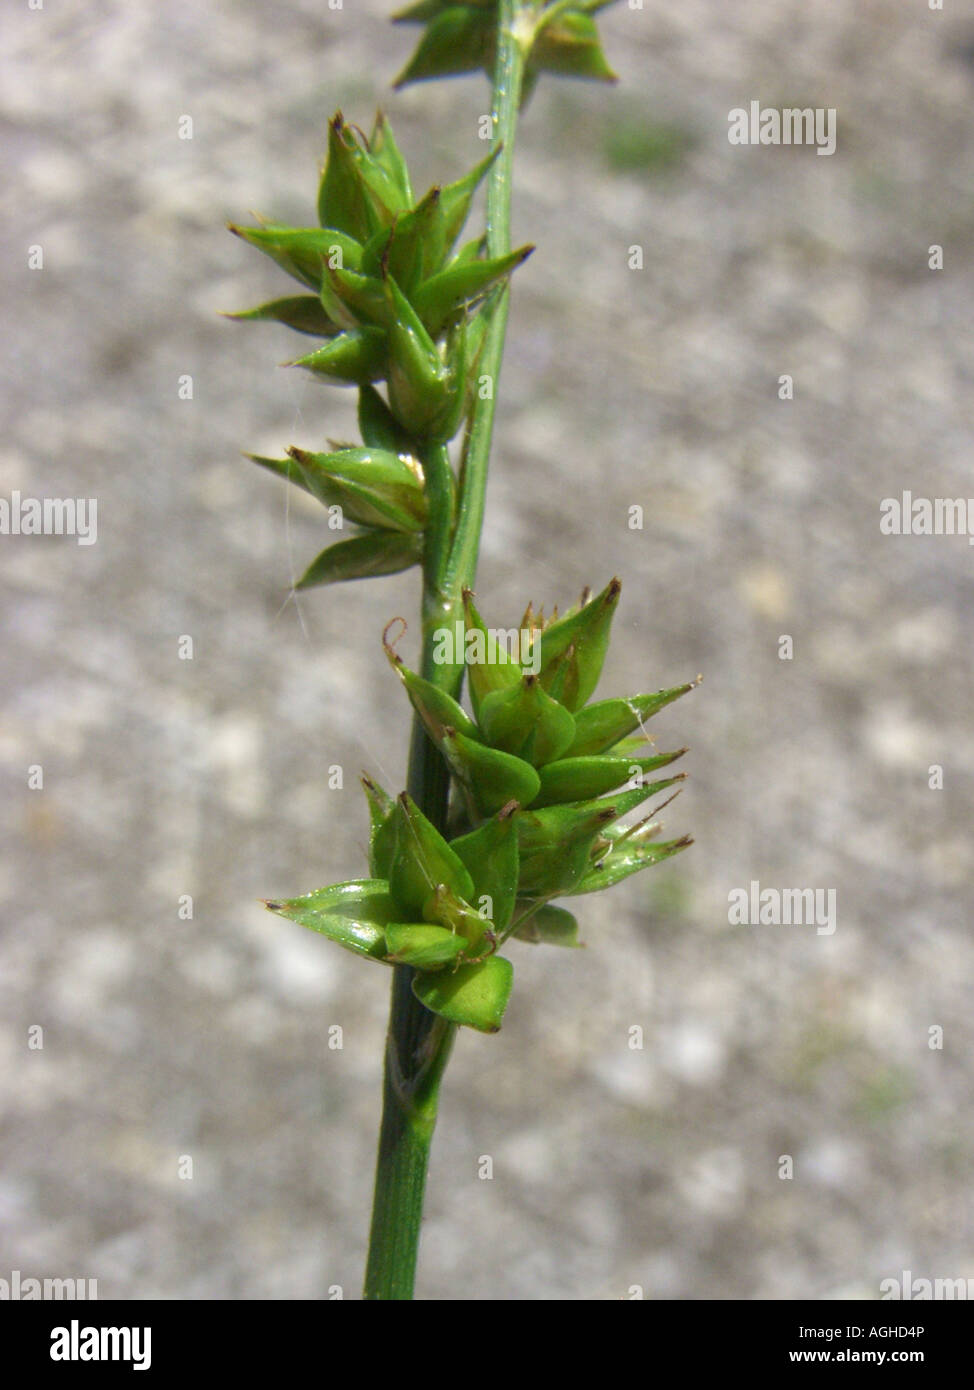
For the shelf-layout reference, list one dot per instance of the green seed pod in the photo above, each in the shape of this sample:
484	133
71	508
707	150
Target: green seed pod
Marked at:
364	557
353	299
303	312
421	861
372	486
490	666
386	153
490	778
472	339
474	996
457	351
303	252
355	914
556	847
575	779
599	727
437	710
379	427
358	193
525	720
491	855
443	298
422	946
405	250
571	651
446	910
421	386
358	356
382	836
553	926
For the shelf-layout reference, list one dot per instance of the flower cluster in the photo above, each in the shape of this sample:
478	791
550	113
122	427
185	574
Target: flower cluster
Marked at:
542	779
395	302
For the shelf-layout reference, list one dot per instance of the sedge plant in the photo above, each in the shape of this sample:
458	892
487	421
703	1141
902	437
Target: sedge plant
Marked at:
523	800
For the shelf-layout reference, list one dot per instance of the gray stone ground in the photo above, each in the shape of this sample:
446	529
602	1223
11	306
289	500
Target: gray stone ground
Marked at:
163	777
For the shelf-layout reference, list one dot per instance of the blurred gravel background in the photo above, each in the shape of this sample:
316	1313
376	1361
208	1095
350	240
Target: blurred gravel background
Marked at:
209	1037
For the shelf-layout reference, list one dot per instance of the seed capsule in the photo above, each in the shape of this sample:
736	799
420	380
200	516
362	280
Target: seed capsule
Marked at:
421	861
422	946
572	650
524	719
573	779
490	778
490	854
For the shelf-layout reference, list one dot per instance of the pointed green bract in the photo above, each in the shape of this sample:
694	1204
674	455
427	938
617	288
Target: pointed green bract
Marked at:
473	996
302	312
600	726
438	710
491	855
456	41
455	200
287	469
421	860
358	357
303	252
570	652
576	779
497	670
364	557
385	152
354	914
382	834
569	45
629	858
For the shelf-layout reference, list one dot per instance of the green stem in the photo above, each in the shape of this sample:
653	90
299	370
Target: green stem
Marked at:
508	77
419	1043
